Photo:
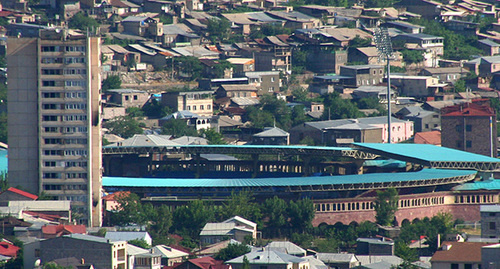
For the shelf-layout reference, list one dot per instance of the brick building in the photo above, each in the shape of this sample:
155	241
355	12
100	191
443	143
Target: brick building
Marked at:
490	221
470	127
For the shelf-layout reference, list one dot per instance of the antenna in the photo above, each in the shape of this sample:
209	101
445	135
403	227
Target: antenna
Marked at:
384	48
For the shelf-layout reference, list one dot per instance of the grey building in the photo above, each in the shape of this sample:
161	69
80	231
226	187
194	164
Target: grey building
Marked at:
424	121
363	74
339	260
271	136
374	246
490	258
272	258
490	221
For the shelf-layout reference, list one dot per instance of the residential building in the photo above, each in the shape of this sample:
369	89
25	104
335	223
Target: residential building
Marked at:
128	97
374	246
203	263
14	194
490	221
432	138
100	252
378	92
51	231
143	26
490	47
236	228
278	259
458	255
129	235
237	91
490	256
200	102
424	121
484	66
271	136
54	118
368	130
241	65
414	86
267	82
339	260
470	127
169	255
287	247
361	75
405	27
445	74
274	55
433	46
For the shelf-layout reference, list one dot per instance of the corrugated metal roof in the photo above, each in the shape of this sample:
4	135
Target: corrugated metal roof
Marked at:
493	184
429	153
285	181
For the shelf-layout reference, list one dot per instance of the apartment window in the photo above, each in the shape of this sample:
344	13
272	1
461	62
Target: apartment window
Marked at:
75	152
468	127
50	118
459	144
454	266
75	83
493	225
51	152
76	175
50	164
52	187
48	83
52	60
51	175
72	60
76	164
491	214
75	48
188	107
209	106
135	97
468	143
75	71
459	128
426	126
75	117
76	95
51	95
194	107
51	48
52	141
272	79
51	71
51	129
202	107
126	98
467	266
49	106
69	130
80	141
75	106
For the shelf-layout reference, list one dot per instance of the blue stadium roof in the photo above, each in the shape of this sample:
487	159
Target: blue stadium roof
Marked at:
366	181
490	184
434	156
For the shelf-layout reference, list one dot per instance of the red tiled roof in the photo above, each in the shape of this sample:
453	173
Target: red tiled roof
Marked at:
4	13
205	262
23	193
432	137
460	252
61	229
114	196
468	109
43	216
8	249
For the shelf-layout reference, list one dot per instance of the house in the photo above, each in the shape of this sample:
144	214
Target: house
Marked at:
490	221
241	65
237	91
267	82
278	259
128	97
143	26
432	45
52	231
378	92
424	121
273	55
295	20
490	47
344	35
192	119
14	194
129	235
484	66
215	83
179	35
445	74
458	255
362	74
8	248
121	7
432	138
200	101
271	136
366	55
203	263
339	260
287	247
236	228
148	54
374	246
98	251
414	86
169	255
490	255
405	27
365	130
427	8
469	127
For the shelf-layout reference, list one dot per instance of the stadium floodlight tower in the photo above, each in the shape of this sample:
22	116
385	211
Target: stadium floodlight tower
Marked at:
384	48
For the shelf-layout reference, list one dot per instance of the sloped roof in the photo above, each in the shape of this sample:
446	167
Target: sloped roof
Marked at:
116	195
242	220
208	263
245	101
182	114
489	42
8	249
460	252
190	140
126	235
226	121
290	247
468	109
369	51
239	87
272	132
140	140
23	193
432	137
267	256
61	229
134	250
168	252
336	257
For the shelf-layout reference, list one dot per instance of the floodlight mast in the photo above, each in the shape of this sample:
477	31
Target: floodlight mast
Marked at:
384	48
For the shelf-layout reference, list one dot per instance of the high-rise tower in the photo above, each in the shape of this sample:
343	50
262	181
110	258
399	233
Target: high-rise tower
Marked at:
54	118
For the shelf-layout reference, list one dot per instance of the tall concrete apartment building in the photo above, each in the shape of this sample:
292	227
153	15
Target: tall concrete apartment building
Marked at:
54	117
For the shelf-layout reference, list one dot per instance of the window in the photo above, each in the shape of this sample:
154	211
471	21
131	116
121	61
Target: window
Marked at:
51	60
194	107
50	118
459	144
52	152
468	127
52	141
459	128
493	225
51	95
72	60
71	95
75	83
202	107
126	97
76	106
467	266
75	48
49	106
51	175
188	107
50	164
75	71
51	48
51	71
76	175
272	79
468	143
209	106
491	214
135	97
52	187
48	83
51	129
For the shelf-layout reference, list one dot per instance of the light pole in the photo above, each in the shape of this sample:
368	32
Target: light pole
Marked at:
384	48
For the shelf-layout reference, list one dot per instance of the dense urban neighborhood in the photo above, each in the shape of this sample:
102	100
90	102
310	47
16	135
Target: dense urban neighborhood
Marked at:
251	134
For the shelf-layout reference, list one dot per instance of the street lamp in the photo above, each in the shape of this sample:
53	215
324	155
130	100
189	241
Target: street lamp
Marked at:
384	48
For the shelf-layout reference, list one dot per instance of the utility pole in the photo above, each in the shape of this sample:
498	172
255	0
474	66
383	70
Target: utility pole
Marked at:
384	47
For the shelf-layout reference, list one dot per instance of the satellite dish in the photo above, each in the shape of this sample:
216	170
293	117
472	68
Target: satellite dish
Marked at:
37	263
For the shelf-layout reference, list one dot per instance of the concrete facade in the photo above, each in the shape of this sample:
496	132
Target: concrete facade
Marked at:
128	97
199	102
363	74
54	121
490	221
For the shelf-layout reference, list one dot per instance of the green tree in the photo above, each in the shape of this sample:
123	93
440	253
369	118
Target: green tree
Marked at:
301	214
275	213
82	22
406	253
219	30
123	126
53	265
232	251
246	263
259	118
299	94
241	204
129	210
412	56
338	108
111	82
3	127
177	128
359	42
213	137
161	221
135	112
189	219
220	68
386	205
155	109
139	243
189	66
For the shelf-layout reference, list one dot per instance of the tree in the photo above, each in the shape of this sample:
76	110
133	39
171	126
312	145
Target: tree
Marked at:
246	263
189	219
232	251
155	109
359	42
241	204
135	112
412	56
82	22
219	30
301	214
189	66
338	108
177	128
123	126
406	253
386	205
220	67
111	82
161	221
213	137
275	212
139	243
129	210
